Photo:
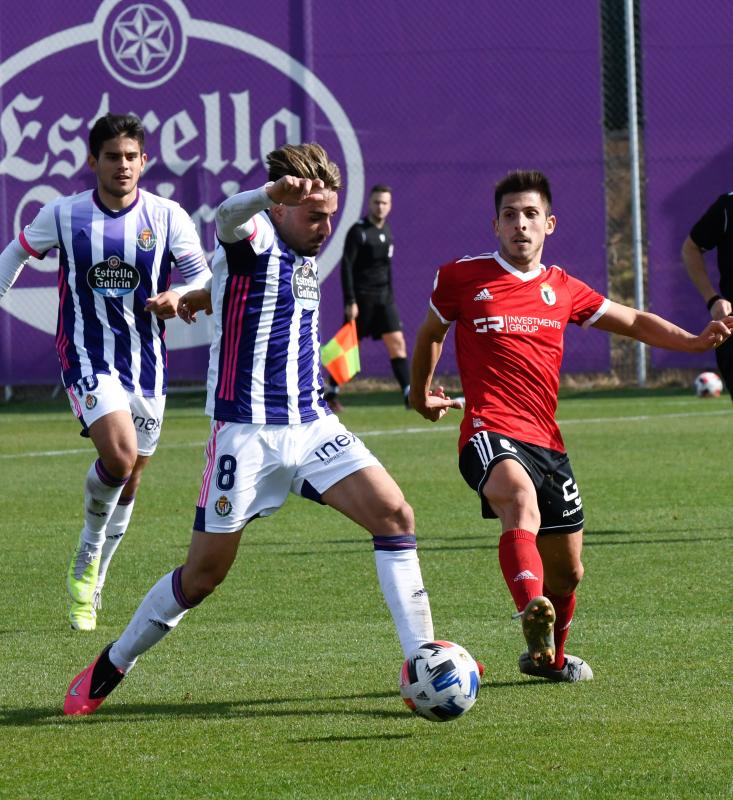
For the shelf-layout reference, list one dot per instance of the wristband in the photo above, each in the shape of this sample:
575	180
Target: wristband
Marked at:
713	300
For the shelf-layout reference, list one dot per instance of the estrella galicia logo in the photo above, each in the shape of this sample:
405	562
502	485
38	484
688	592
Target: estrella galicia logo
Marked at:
90	401
146	240
113	277
306	291
223	507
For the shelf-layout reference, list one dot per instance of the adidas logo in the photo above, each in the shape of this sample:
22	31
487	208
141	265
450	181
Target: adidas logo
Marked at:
484	294
525	575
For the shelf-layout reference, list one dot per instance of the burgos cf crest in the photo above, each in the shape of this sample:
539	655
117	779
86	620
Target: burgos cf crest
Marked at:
146	239
222	506
548	294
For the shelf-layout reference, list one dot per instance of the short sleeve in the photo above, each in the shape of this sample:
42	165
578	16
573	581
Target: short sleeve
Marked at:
707	232
588	305
186	246
42	234
444	299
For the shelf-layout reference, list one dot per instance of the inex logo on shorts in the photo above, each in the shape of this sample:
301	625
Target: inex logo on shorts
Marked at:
113	277
305	286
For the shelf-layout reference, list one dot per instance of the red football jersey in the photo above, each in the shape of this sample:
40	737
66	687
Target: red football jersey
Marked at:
509	341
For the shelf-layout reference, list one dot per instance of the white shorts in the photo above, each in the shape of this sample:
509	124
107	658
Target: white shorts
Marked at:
95	396
250	469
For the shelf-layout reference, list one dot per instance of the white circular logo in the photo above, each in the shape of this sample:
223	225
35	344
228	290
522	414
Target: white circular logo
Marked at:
141	46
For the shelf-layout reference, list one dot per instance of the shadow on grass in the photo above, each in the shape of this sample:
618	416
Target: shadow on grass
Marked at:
484	543
267	707
236	709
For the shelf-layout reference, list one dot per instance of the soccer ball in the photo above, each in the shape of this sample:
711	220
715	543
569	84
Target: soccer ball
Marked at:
439	681
708	384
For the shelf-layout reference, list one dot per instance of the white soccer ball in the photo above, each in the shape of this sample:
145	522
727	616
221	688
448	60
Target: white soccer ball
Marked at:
440	681
708	384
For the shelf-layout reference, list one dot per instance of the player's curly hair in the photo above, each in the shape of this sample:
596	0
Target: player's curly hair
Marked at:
110	126
303	161
523	180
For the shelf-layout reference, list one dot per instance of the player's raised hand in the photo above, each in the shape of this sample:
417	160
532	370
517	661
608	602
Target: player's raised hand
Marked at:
292	191
192	302
435	404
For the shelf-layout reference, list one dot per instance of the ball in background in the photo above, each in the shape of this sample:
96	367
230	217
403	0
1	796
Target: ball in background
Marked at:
708	384
440	681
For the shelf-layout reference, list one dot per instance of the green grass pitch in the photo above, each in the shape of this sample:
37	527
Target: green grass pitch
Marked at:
284	683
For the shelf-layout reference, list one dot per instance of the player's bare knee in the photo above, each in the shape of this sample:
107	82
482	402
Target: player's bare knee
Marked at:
395	518
120	461
405	518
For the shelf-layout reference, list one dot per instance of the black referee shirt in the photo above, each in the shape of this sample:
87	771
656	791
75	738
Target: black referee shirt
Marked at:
715	230
366	265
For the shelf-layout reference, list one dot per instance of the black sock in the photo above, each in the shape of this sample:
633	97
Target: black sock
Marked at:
401	371
105	677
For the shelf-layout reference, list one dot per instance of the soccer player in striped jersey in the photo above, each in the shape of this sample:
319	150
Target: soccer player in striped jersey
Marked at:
117	247
510	312
272	432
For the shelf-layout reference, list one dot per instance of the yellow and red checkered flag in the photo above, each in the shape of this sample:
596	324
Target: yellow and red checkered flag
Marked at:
340	356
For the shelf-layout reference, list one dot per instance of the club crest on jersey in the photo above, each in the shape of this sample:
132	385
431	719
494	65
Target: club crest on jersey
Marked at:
305	287
146	240
223	507
113	277
548	294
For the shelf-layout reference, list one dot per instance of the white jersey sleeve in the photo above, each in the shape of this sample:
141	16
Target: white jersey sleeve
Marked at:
42	234
186	249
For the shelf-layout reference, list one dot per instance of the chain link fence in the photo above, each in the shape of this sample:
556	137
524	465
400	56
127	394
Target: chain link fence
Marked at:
439	114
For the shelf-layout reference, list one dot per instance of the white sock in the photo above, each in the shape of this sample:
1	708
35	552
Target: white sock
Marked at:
402	586
156	616
101	493
113	534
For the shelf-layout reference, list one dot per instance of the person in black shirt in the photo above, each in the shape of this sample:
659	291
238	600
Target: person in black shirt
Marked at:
714	230
366	282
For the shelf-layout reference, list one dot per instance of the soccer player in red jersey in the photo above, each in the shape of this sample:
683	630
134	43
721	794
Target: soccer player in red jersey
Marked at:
510	312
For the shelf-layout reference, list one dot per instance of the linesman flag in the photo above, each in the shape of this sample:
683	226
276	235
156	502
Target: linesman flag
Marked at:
340	356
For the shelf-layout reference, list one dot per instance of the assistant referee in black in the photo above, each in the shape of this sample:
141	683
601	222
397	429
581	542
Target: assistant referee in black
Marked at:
366	282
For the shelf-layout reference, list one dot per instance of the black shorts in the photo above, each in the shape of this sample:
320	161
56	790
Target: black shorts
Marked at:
724	357
558	498
376	317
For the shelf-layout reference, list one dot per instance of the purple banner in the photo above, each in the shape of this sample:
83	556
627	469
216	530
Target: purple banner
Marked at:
688	140
437	104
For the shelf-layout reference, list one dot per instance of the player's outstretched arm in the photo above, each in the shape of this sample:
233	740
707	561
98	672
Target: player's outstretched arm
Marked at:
659	332
425	356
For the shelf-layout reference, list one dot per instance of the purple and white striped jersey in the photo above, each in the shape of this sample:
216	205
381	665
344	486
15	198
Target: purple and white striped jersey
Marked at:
264	364
110	263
